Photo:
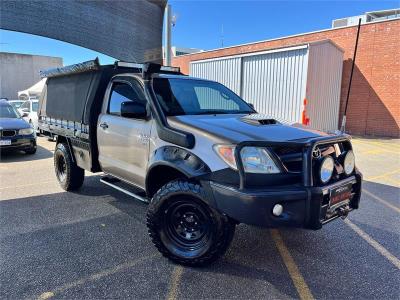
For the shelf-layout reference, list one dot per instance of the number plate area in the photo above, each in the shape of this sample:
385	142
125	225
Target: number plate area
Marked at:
340	195
5	142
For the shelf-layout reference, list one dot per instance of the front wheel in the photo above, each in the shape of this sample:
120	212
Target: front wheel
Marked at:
32	149
69	175
184	228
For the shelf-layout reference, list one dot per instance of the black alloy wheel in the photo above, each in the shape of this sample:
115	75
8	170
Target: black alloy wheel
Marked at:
188	226
60	166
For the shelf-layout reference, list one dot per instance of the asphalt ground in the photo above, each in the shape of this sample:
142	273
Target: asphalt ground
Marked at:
94	244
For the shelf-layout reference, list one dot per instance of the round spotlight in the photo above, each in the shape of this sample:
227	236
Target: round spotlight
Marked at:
326	169
277	210
349	162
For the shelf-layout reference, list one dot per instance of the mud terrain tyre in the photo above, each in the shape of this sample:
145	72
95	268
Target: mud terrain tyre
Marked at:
69	175
184	228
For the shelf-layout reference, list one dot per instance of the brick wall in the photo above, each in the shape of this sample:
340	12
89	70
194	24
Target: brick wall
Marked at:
374	107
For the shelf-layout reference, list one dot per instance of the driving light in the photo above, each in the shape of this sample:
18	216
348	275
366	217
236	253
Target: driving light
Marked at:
25	131
326	169
349	162
258	160
227	153
277	210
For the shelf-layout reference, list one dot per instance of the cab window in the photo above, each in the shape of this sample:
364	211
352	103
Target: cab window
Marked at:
122	92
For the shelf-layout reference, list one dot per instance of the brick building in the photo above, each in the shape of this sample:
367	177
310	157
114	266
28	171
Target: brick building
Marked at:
374	106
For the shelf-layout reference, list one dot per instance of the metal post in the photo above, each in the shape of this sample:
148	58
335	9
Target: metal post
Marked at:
343	127
167	37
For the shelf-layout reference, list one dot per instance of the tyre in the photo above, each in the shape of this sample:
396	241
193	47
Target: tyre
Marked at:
31	150
52	138
69	175
184	228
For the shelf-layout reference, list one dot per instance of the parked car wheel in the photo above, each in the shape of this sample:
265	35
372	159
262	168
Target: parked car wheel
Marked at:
184	228
69	175
31	150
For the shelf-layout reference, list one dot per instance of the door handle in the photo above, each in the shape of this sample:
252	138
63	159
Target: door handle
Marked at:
104	125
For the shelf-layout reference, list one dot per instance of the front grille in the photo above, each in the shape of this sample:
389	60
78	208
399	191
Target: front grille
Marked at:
8	133
292	159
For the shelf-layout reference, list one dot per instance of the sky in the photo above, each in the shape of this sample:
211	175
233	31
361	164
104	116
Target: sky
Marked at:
213	24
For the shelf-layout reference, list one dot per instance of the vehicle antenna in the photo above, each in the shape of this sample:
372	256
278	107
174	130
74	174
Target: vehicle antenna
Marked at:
343	127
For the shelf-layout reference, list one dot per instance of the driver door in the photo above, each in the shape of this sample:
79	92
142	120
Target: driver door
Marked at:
123	142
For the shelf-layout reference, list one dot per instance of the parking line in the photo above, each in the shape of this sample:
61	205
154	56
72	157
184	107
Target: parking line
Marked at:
175	280
382	201
301	286
97	276
383	175
378	247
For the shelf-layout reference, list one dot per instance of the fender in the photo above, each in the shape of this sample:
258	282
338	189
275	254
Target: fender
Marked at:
179	159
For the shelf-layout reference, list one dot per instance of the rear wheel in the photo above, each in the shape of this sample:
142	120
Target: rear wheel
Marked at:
69	175
184	228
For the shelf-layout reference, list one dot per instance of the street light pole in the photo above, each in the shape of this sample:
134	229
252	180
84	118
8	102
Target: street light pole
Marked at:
167	37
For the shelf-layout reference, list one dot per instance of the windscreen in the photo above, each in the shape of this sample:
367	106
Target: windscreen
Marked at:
197	97
7	111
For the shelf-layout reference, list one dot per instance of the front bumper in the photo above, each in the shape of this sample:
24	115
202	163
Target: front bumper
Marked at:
305	207
19	142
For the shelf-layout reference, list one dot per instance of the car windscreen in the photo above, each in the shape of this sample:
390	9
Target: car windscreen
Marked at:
35	106
195	97
7	111
16	104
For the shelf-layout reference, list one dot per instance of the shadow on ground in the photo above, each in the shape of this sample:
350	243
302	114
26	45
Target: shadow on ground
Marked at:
18	156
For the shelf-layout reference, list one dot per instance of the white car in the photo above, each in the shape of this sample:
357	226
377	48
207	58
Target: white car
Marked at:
28	111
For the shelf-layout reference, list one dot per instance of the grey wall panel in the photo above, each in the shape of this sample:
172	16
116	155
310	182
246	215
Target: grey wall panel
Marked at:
20	71
225	71
275	83
323	87
129	30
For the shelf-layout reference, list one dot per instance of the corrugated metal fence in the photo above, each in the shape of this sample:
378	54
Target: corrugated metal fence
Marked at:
276	82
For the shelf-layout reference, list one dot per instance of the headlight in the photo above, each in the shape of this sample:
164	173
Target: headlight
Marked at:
349	162
26	131
258	160
326	169
227	153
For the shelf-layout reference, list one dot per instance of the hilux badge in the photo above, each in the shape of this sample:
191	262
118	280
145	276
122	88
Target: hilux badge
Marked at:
316	153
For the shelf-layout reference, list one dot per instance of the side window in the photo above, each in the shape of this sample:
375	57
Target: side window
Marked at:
35	106
122	92
212	99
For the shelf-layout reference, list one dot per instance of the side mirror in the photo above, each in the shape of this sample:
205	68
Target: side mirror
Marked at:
135	110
